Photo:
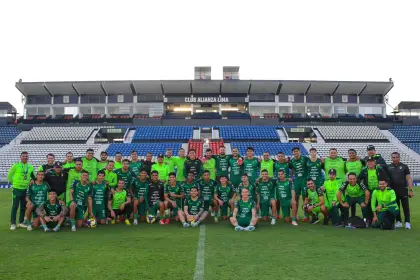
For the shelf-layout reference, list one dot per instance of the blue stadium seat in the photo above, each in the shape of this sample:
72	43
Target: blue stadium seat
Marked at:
8	133
407	134
142	148
146	133
272	147
248	133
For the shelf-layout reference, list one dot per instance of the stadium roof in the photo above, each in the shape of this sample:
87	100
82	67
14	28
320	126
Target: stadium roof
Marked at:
409	105
169	87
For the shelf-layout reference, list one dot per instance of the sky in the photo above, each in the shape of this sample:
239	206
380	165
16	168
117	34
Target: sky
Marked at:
134	40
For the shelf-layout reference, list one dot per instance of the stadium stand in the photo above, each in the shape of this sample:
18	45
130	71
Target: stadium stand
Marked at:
272	147
385	149
38	153
351	133
7	134
156	133
407	134
215	145
248	133
197	145
54	134
208	115
142	148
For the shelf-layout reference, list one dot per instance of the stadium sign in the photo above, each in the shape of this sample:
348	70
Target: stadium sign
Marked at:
113	131
207	99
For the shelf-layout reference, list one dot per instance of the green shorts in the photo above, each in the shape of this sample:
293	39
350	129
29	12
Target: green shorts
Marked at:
153	209
207	205
142	208
244	222
99	212
80	212
51	224
34	214
224	209
299	186
265	208
175	209
285	207
318	183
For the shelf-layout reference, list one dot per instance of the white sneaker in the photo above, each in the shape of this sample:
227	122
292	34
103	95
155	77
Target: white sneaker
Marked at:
273	221
216	220
407	226
29	228
398	225
294	223
73	228
12	227
23	225
135	222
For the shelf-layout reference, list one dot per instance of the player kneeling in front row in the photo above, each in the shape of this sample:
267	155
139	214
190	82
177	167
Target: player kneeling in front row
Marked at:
384	214
79	196
118	203
173	195
225	196
265	197
51	213
245	213
314	202
194	212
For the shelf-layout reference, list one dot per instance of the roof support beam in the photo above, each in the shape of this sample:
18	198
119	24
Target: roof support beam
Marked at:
220	88
363	89
191	88
49	92
75	89
163	90
249	88
309	87
103	89
279	88
133	88
389	89
338	85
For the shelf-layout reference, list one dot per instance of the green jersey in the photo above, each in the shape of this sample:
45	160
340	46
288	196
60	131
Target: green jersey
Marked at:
331	188
98	194
81	193
49	209
251	167
314	195
194	205
236	171
314	169
373	179
281	166
206	189
90	166
111	178
186	188
284	190
267	165
20	175
179	166
128	177
118	198
139	188
69	164
38	194
118	165
354	166
245	208
356	191
135	167
338	164
210	165
251	189
162	169
265	190
170	162
222	165
299	167
386	199
71	175
224	193
101	165
177	189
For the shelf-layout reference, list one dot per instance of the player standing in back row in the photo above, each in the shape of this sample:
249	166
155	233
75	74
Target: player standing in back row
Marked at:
298	164
314	166
193	164
251	165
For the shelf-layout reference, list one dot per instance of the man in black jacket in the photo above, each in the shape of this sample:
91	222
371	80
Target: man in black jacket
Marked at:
379	160
55	179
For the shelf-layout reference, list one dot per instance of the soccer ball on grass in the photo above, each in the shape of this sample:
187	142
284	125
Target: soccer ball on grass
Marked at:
91	223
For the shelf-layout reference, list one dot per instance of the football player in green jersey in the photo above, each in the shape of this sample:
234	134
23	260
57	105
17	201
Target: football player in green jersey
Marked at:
179	162
79	197
354	164
209	163
236	169
97	205
353	193
225	195
286	196
222	163
335	162
126	174
244	215
247	185
282	164
188	184
174	195
314	202
314	166
386	211
118	203
298	165
266	163
68	162
331	187
169	160
37	194
206	187
51	213
103	162
265	197
139	192
135	163
118	160
251	165
194	212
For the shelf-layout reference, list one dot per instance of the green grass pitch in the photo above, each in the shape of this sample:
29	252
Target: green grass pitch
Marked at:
170	252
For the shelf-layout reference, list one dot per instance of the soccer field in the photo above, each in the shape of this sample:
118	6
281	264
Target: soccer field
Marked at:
170	252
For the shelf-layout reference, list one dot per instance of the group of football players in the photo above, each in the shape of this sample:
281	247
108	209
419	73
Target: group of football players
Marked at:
243	189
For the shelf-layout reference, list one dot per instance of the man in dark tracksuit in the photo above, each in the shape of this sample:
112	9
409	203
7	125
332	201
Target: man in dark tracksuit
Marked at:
379	160
55	179
193	164
400	176
370	177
